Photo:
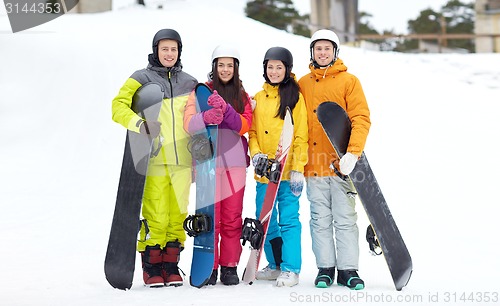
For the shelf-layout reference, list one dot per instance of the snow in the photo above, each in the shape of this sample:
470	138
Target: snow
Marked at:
432	146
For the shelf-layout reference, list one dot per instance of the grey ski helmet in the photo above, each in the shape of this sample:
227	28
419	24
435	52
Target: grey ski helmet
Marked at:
281	54
166	34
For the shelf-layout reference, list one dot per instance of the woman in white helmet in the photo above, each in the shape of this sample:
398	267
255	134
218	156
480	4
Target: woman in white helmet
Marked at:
233	113
331	207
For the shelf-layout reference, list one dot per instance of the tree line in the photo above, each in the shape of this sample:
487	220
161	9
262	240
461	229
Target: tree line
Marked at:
454	17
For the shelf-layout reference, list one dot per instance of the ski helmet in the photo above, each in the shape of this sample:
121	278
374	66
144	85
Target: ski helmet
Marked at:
226	51
167	34
281	54
325	34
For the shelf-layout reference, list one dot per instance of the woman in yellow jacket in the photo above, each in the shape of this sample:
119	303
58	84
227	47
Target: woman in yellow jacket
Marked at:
283	242
332	207
166	190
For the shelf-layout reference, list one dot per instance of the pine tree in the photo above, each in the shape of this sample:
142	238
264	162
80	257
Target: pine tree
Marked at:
279	14
458	18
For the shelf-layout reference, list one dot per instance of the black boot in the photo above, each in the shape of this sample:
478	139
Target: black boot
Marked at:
151	266
229	276
213	278
325	277
350	279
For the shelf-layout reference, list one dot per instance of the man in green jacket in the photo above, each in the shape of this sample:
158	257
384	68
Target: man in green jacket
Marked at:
166	190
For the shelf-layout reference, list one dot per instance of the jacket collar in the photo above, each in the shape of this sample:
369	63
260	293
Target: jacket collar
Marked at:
328	71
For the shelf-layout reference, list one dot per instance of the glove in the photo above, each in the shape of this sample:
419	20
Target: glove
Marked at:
256	157
213	116
296	182
347	163
253	103
151	128
216	101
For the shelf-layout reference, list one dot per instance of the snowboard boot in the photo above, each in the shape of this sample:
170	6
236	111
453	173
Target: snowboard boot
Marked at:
170	270
287	279
325	277
213	278
350	279
268	273
229	276
152	266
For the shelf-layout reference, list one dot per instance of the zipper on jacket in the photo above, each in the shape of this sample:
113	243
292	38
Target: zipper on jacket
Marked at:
173	116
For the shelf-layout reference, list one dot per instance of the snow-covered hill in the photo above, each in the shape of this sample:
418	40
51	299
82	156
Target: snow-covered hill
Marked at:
433	147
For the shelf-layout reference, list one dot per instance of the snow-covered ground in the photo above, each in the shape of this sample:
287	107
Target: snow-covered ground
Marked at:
433	147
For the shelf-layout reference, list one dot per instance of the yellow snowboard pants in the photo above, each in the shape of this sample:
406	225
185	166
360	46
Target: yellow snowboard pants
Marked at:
164	205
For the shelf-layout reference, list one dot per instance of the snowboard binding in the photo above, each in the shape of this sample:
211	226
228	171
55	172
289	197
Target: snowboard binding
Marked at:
197	224
270	168
253	232
201	147
373	243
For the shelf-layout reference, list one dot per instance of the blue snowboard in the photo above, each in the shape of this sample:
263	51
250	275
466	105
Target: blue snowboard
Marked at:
203	248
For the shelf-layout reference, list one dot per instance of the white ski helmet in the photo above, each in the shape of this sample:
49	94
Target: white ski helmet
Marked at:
226	51
325	34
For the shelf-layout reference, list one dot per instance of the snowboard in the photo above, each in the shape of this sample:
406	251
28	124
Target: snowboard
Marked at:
204	219
119	264
284	145
337	127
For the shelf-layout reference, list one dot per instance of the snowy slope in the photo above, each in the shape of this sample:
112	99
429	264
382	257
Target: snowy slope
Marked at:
433	147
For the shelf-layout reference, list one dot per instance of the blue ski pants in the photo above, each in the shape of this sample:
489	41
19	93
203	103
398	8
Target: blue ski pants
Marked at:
284	223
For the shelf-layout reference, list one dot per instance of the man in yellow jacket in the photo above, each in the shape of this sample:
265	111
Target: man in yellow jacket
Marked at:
166	190
331	206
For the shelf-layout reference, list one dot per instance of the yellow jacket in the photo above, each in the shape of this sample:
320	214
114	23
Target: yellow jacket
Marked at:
333	84
176	86
264	134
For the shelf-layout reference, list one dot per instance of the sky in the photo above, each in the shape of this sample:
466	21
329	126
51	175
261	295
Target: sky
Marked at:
432	147
387	14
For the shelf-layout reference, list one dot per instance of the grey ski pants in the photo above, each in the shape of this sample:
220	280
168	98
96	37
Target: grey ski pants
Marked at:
334	232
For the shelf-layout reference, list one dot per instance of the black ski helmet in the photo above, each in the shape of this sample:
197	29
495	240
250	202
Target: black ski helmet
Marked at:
281	54
167	34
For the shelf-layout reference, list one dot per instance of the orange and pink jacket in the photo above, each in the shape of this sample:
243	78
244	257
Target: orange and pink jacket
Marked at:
232	150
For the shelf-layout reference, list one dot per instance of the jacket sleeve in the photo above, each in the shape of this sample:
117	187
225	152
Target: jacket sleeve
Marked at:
358	112
122	103
240	123
301	136
193	121
253	142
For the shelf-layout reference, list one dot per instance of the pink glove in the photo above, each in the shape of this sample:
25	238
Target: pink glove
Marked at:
216	101
213	116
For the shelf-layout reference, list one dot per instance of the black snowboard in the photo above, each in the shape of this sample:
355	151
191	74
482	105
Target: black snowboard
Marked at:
119	264
337	126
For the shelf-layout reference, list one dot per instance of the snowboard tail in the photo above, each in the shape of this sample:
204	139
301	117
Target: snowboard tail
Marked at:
119	264
337	127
